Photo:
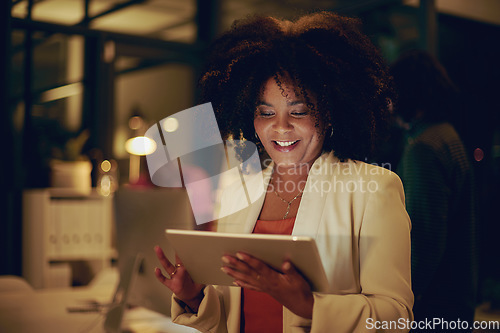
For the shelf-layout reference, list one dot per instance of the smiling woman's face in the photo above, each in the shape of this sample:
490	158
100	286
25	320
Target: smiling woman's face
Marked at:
286	127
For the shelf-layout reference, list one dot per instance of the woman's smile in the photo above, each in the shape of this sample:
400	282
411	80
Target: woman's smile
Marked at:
285	146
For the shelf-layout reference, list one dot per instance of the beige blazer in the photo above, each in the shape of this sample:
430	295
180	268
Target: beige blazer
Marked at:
355	211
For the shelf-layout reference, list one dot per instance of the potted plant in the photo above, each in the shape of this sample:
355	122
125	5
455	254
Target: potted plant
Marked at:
70	169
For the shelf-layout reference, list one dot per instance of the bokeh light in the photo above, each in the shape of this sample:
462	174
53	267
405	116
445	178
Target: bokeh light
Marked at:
478	154
105	166
140	145
135	122
171	124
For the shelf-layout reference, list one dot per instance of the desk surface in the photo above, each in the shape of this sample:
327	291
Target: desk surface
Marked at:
45	310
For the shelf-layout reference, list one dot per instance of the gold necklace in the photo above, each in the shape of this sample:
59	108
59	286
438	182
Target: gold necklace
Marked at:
289	203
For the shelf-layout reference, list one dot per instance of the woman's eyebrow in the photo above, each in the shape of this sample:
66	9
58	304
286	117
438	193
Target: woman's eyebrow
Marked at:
289	103
263	103
292	103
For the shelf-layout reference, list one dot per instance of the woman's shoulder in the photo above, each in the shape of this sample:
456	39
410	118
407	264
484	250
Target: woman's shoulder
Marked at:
351	178
331	166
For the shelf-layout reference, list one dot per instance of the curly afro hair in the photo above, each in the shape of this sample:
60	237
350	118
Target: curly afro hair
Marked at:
329	61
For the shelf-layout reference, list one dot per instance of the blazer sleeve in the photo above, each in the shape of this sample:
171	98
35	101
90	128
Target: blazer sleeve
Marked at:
211	314
386	297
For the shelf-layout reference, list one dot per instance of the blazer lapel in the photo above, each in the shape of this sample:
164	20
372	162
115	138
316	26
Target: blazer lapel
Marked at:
318	185
256	207
243	221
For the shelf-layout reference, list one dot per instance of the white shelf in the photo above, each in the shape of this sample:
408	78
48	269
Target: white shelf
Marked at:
59	227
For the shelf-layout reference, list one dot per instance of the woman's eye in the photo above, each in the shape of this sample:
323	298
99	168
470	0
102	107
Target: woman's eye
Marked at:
265	113
299	113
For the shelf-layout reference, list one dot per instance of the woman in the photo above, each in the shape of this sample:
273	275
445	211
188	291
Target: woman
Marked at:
314	93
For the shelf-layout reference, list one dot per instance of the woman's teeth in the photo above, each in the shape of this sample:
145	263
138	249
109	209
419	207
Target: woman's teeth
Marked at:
285	143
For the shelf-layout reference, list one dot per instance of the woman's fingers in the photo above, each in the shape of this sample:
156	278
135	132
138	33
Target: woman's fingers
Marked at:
256	264
162	278
178	261
286	286
293	276
167	265
249	272
289	270
237	275
238	265
252	271
245	263
178	280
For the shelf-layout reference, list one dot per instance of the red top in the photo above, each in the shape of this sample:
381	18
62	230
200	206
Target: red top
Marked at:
259	311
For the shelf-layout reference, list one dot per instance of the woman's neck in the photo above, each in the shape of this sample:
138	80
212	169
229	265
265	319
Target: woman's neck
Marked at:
290	172
290	179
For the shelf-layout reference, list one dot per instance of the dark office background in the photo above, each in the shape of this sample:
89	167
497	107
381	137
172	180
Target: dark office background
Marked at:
468	47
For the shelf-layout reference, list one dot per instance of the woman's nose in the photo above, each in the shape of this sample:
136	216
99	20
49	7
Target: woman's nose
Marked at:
282	124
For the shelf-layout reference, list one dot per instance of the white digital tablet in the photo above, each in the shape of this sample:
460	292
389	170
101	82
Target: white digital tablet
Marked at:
201	253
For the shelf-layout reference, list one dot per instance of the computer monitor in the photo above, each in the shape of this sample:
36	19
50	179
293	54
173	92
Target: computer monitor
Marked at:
141	216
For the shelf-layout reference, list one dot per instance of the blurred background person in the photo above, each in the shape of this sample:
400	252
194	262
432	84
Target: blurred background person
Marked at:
438	181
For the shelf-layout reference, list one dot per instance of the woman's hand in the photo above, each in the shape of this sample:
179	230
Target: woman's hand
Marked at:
179	281
289	288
